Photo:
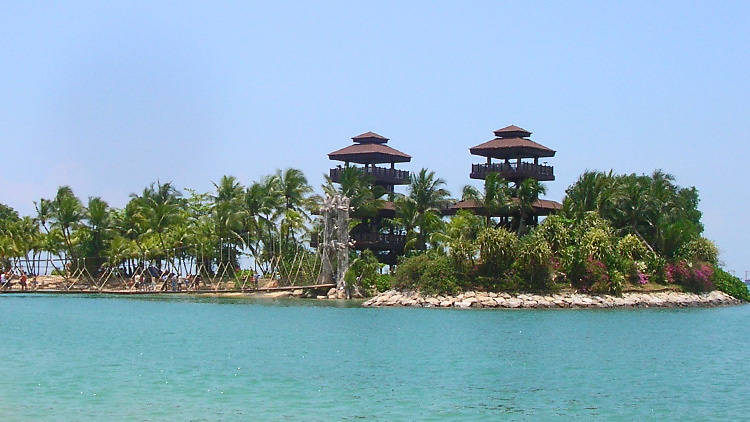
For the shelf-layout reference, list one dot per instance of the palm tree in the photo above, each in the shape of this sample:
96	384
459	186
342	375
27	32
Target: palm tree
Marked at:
43	212
426	190
407	218
494	199
98	218
67	213
591	192
159	206
259	202
295	192
528	193
365	197
426	197
227	206
227	210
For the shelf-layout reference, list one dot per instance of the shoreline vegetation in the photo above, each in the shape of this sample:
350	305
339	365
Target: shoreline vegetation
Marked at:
614	234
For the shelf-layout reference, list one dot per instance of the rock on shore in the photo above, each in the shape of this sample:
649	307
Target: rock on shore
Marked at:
667	299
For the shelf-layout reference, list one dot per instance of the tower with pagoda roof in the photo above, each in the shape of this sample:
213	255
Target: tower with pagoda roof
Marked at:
378	161
517	155
370	149
516	159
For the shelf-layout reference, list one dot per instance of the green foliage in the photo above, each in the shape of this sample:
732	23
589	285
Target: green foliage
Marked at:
526	194
617	281
730	284
383	282
653	208
428	273
364	272
418	213
700	249
495	198
364	195
498	248
598	244
588	194
458	240
7	216
534	263
439	277
556	230
632	248
409	271
656	268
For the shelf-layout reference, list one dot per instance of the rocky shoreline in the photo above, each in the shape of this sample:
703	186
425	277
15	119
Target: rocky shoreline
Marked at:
664	299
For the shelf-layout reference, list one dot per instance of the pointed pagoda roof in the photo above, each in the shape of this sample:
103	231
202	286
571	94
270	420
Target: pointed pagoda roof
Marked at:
512	142
370	138
512	131
370	148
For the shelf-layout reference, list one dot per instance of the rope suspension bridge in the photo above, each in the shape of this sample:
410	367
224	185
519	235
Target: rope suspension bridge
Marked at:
184	269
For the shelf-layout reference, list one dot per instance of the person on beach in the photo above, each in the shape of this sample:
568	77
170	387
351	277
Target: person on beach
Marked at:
22	280
4	280
164	279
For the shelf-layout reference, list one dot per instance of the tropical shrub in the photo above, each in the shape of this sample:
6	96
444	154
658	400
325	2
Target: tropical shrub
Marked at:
594	272
510	282
590	220
363	272
556	231
635	272
730	284
695	276
409	271
700	249
631	247
534	263
656	269
383	282
617	282
609	284
429	273
497	249
439	277
598	243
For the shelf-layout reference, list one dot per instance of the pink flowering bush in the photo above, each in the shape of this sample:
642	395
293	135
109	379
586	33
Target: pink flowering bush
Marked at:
595	271
636	272
642	278
696	276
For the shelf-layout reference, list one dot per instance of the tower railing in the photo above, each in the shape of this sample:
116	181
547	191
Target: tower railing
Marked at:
514	171
380	174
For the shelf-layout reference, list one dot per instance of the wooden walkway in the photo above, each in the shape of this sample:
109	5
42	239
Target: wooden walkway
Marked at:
151	292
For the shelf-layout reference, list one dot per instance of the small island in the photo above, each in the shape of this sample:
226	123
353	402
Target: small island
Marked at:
615	240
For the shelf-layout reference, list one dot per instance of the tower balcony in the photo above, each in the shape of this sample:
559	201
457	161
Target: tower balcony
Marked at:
381	175
514	172
373	241
379	241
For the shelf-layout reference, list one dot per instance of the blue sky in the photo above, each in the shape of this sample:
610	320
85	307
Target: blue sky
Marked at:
110	96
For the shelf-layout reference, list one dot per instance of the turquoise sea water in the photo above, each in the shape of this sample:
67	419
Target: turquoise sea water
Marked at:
185	358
